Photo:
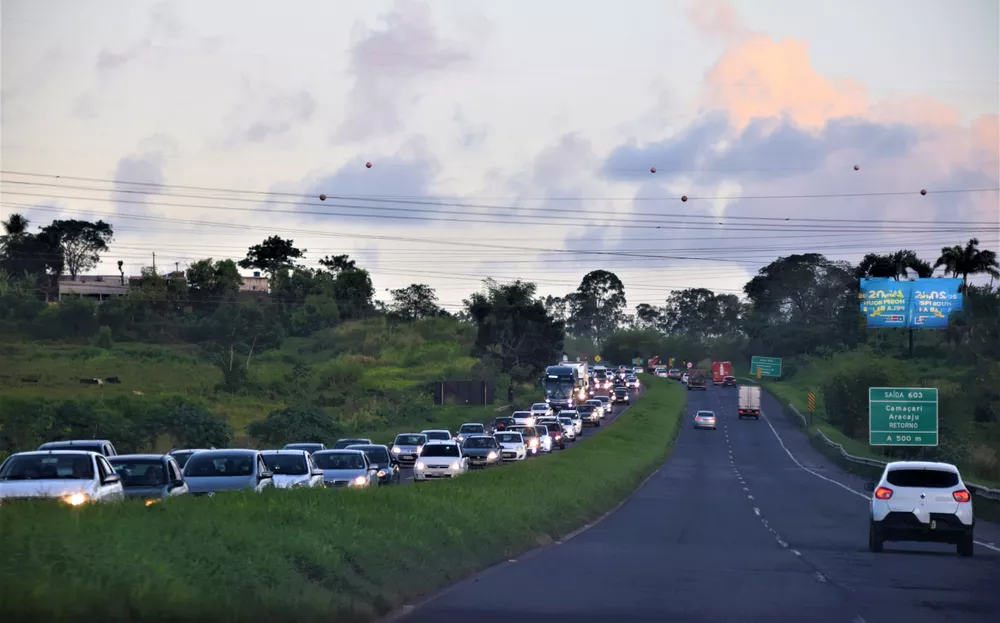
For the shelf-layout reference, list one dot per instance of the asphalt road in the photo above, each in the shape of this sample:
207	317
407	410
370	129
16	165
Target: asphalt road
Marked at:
406	473
733	528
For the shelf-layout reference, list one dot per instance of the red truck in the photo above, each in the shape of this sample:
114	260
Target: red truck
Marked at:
720	370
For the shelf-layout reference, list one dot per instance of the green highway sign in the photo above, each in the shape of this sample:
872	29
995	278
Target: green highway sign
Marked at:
769	366
903	416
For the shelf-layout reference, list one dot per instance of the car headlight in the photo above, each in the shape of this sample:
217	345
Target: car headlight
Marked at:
530	421
382	473
396	450
76	499
360	481
420	450
419	465
151	502
519	448
456	466
533	443
461	438
492	456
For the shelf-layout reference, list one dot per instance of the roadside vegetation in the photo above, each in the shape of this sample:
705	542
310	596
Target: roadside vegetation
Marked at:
318	554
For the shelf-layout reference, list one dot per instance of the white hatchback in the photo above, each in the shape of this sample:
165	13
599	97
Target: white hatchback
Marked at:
921	501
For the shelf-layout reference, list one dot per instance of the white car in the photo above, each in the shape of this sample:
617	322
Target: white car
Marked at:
523	418
440	460
74	476
632	382
512	447
569	428
638	370
291	469
598	406
435	434
921	501
540	409
704	419
684	378
605	404
544	438
574	415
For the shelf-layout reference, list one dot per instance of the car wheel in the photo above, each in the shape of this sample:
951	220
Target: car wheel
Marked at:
965	545
874	537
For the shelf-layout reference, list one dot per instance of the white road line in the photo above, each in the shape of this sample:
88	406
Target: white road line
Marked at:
839	484
756	511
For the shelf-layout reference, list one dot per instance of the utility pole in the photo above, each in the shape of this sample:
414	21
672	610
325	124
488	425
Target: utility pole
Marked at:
154	262
177	267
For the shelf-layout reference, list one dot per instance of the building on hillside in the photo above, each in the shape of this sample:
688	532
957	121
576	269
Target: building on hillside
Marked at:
98	287
255	283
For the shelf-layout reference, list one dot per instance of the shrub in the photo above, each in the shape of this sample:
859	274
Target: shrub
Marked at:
296	423
103	339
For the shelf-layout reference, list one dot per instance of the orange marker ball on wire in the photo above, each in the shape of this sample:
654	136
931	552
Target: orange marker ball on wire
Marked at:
322	197
652	169
923	191
857	167
368	165
684	197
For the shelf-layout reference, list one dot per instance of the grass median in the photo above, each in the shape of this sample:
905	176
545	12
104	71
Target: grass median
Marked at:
314	555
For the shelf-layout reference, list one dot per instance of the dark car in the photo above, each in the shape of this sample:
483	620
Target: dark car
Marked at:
555	431
149	476
729	381
619	396
182	455
589	414
387	467
482	450
501	424
343	443
100	446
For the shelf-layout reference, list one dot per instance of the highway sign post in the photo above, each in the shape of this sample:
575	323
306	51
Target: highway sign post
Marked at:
768	366
903	416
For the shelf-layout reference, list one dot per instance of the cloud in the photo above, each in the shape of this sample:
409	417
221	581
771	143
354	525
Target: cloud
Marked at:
717	18
389	65
163	26
279	115
138	175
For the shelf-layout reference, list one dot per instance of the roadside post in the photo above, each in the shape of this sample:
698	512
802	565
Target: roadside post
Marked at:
812	406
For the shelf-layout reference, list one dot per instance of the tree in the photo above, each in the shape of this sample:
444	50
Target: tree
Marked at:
338	263
414	302
598	306
33	260
647	316
354	292
15	228
968	260
693	310
209	280
894	266
82	243
272	256
556	306
513	328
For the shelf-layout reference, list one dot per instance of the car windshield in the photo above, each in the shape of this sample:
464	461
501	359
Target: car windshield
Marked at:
503	421
219	465
410	440
286	464
559	388
540	406
472	428
729	378
343	443
508	437
375	454
182	457
440	435
480	442
927	478
595	403
140	472
441	449
567	421
587	409
542	429
48	467
339	460
520	415
308	447
528	431
603	399
85	447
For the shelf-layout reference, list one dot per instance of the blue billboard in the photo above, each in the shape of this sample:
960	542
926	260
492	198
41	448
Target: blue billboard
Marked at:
921	304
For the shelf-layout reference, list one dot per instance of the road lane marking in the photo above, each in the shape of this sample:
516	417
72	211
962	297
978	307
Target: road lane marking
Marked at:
839	484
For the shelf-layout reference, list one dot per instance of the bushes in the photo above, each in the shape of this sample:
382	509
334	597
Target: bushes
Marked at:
132	423
304	423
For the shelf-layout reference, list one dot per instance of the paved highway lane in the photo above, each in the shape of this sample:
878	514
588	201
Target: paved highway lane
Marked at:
730	529
406	473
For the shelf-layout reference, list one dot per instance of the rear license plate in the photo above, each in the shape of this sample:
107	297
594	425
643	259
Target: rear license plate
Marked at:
933	524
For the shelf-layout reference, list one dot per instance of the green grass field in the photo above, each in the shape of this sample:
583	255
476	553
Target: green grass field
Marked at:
317	554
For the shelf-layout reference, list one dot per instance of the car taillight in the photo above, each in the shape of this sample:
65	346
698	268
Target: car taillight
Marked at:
883	493
961	496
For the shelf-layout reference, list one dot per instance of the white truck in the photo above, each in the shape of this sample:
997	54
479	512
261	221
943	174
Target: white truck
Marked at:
749	405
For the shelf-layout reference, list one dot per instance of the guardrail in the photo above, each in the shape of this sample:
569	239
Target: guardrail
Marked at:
980	490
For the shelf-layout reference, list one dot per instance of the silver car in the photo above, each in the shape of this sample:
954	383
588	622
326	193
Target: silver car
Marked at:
704	419
574	415
407	447
346	468
292	469
73	476
212	471
468	429
605	404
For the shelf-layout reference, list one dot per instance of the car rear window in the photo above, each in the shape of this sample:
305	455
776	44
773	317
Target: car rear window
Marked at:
930	478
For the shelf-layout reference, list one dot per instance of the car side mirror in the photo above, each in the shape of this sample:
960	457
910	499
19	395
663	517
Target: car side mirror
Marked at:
869	486
111	479
266	474
176	483
317	472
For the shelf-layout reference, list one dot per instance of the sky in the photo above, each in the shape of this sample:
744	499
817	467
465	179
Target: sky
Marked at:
507	139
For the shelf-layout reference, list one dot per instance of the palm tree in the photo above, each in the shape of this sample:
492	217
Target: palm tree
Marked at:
968	260
15	226
894	265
